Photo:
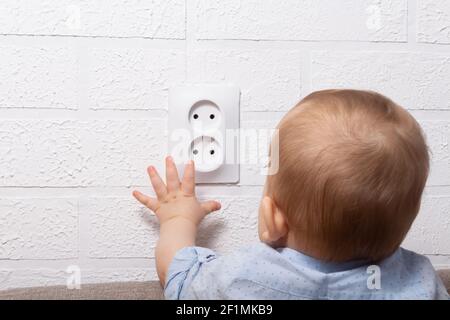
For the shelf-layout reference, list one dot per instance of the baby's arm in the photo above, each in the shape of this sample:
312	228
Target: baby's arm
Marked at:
178	211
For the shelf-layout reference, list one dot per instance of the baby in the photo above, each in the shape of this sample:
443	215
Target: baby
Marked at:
352	169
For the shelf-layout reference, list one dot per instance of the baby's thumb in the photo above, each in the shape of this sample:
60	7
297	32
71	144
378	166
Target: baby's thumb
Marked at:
210	206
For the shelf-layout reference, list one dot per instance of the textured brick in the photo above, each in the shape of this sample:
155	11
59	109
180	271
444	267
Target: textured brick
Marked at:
40	153
234	226
430	233
40	277
119	151
269	79
37	77
129	78
38	228
119	228
107	18
79	153
438	139
367	20
254	150
415	80
433	21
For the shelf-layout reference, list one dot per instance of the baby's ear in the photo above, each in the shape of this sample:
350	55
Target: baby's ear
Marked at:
274	220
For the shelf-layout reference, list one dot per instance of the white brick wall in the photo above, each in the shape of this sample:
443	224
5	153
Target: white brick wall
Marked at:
83	111
364	20
433	21
132	78
385	72
34	228
29	76
275	72
163	19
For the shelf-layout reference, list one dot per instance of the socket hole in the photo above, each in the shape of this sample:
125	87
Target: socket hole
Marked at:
195	151
212	116
195	116
211	152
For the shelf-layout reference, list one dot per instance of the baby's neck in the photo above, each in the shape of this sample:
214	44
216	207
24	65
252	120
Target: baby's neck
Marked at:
307	248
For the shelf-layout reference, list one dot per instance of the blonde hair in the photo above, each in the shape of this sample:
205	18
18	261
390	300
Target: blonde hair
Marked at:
352	169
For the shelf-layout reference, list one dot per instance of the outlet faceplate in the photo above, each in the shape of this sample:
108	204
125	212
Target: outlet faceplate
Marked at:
204	127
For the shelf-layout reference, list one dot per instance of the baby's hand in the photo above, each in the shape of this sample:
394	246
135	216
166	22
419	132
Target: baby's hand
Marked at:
178	211
177	200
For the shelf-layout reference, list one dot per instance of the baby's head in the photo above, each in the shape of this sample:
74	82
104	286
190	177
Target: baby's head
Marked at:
352	169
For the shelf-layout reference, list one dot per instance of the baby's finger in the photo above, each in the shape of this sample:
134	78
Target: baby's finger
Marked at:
210	206
157	183
188	184
172	179
147	201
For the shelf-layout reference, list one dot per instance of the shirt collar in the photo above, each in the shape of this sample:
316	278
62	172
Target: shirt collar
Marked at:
298	258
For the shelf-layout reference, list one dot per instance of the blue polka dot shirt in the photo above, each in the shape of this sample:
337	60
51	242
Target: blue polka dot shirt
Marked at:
261	272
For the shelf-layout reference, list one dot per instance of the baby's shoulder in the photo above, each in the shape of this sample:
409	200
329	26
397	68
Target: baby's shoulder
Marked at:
248	261
406	261
413	274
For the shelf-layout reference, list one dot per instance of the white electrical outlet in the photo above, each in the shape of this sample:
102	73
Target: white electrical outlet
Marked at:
204	127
